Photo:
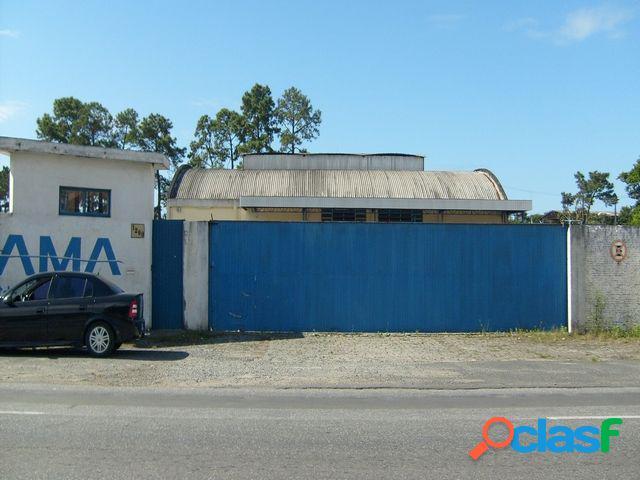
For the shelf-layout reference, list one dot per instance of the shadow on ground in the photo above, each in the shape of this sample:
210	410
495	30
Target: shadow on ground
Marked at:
65	352
181	338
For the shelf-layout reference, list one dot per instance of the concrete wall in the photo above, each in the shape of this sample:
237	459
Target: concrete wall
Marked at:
196	275
598	279
237	213
36	178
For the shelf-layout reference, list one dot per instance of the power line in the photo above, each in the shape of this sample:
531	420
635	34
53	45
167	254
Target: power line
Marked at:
532	191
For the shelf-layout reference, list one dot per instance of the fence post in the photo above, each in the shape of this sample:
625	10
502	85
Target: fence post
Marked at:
569	297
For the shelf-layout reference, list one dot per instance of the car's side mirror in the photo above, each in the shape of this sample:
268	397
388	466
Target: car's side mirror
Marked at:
8	300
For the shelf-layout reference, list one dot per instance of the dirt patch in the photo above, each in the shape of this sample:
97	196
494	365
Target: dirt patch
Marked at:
323	360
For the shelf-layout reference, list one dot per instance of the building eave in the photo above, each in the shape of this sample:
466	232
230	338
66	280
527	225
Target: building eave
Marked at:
11	145
391	203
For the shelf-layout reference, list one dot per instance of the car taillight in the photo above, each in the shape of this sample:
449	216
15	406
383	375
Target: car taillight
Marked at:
133	309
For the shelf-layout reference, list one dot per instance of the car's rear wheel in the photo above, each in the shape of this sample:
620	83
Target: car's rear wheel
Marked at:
100	339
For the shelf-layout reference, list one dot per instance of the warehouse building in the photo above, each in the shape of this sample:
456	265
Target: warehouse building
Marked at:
339	187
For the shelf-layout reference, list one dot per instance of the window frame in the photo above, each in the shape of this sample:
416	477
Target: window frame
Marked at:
56	278
84	191
39	282
46	297
395	215
339	214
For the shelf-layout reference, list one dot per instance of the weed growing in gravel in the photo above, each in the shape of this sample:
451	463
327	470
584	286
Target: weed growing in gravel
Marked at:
597	323
599	326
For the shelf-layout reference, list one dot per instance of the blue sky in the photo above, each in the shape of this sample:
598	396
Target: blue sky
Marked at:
531	90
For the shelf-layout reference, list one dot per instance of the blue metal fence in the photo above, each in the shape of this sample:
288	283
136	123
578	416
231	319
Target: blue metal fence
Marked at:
372	277
166	276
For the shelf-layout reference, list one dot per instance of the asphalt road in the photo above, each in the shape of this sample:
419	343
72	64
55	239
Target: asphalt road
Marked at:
67	433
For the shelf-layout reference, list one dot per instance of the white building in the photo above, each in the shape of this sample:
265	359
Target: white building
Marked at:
79	208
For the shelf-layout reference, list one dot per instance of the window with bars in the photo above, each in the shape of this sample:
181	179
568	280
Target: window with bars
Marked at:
344	215
393	215
89	202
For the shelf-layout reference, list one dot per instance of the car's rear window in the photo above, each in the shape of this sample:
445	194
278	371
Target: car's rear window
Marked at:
68	287
98	288
114	288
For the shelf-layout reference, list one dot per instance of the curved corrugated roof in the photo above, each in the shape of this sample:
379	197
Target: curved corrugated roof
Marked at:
219	184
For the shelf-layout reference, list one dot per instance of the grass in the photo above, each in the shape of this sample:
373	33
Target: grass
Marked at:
631	332
618	331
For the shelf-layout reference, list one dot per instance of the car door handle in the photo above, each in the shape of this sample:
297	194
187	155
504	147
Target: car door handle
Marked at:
39	310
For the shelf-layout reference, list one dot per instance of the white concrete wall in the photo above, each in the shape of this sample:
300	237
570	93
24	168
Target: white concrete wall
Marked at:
598	282
36	179
196	275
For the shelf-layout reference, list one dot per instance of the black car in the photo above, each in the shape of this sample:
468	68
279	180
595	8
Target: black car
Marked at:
78	309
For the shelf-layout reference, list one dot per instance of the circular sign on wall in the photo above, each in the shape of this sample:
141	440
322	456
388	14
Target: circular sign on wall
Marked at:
618	250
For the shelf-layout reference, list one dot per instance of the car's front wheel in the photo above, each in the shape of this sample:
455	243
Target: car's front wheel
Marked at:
100	339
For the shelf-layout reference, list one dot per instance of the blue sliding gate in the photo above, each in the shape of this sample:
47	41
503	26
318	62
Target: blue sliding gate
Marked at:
166	275
372	277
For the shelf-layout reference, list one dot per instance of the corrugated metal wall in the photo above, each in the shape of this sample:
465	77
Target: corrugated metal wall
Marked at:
166	275
386	277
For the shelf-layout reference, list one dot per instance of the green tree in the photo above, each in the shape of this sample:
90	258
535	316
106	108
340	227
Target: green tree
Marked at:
217	140
63	124
202	150
229	130
568	201
258	109
76	122
632	180
624	217
594	187
126	129
297	119
155	136
95	127
4	188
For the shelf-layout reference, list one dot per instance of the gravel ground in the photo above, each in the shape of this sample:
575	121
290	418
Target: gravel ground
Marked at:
329	360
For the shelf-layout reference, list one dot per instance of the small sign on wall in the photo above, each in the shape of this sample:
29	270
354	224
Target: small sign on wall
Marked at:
618	251
137	230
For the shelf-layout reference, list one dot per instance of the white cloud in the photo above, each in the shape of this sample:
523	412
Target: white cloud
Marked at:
528	25
444	19
9	33
521	24
578	25
585	22
9	109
